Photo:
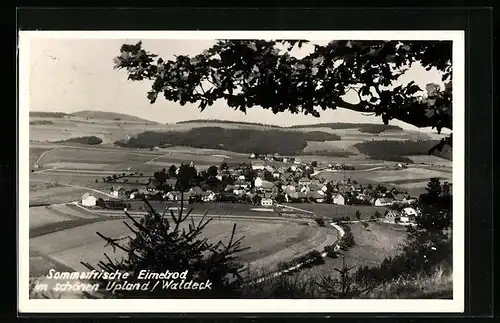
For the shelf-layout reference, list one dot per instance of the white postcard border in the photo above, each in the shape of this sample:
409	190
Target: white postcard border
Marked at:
26	305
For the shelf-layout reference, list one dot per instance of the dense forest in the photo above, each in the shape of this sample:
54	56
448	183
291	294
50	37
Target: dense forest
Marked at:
42	114
363	127
237	140
377	128
394	150
89	140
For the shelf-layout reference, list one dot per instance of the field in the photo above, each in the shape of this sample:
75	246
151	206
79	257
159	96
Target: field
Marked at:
81	243
329	211
373	245
69	127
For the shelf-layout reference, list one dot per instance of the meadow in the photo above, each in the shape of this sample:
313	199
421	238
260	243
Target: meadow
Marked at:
329	211
73	245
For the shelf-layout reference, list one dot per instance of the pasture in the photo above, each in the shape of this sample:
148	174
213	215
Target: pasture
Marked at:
329	211
431	160
373	245
269	242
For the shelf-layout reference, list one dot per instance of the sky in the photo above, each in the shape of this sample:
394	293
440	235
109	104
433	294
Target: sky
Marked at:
69	75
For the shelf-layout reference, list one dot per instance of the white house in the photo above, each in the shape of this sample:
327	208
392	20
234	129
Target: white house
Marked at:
252	155
339	199
258	182
269	168
324	188
219	177
293	168
266	202
208	196
276	175
88	200
383	201
113	192
258	166
410	212
297	161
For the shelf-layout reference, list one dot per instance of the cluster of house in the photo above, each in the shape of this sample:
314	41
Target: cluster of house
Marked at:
406	216
270	185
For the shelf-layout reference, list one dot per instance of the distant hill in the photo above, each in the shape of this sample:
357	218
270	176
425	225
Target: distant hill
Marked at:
363	127
108	116
211	121
42	114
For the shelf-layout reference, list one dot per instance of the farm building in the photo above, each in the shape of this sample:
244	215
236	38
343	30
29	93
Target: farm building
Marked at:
258	182
339	199
117	191
383	201
410	212
304	181
258	166
208	196
266	202
392	216
88	199
174	196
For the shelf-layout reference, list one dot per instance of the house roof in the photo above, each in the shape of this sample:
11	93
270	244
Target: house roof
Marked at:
314	187
384	200
304	179
314	195
267	184
87	195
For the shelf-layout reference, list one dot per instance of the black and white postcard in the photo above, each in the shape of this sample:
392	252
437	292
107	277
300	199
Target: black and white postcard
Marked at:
241	171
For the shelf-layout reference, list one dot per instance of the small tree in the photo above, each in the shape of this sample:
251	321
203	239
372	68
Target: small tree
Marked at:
358	215
344	285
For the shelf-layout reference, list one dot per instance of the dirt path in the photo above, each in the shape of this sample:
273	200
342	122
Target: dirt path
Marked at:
43	154
76	186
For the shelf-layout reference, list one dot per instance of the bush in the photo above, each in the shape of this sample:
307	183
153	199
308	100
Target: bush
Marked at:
331	252
320	221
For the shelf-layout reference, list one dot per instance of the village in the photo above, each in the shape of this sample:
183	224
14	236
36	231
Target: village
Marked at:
261	182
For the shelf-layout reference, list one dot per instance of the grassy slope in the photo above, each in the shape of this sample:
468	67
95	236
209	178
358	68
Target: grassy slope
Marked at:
107	116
